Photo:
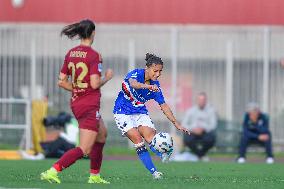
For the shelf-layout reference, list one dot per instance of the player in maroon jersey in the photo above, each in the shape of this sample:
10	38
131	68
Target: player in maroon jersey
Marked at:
84	66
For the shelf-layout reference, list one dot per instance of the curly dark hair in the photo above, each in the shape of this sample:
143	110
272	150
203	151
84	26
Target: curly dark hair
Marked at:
153	59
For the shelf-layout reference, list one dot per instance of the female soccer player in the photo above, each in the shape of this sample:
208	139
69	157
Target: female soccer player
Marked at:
131	115
84	65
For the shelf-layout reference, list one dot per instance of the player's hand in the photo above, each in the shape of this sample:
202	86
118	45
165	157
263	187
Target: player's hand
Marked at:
181	128
154	88
108	74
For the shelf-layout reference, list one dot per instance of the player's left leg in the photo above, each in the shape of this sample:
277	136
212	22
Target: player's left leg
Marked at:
87	138
148	134
96	155
148	131
142	152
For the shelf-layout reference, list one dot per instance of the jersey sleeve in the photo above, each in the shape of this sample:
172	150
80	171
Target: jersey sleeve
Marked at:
96	64
133	74
64	68
159	97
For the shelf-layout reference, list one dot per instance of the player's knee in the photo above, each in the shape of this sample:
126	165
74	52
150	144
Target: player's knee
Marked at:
86	150
140	148
101	138
104	134
139	144
136	139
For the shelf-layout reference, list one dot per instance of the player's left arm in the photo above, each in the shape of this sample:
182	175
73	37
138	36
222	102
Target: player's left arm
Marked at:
63	82
95	74
97	81
169	114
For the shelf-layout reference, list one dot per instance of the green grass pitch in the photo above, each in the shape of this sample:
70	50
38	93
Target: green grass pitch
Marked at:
131	174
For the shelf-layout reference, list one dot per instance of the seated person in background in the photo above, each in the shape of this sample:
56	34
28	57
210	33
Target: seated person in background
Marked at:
61	134
201	121
57	141
255	130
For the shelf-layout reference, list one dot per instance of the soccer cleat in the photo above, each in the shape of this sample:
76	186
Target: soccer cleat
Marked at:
97	180
50	175
166	156
157	175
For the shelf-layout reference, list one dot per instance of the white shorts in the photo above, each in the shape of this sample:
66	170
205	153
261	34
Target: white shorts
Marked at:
126	122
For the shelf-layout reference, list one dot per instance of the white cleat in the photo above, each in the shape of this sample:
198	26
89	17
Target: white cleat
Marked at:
270	160
157	175
241	160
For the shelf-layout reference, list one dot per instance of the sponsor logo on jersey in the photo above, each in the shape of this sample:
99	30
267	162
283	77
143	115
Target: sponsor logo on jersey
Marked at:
134	75
128	95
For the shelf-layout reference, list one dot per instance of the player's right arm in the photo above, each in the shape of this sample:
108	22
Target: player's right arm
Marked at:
63	82
137	85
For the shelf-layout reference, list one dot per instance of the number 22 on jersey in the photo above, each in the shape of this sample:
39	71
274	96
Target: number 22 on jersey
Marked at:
79	80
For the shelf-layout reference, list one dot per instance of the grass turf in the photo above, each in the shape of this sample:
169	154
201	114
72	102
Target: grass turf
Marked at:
131	174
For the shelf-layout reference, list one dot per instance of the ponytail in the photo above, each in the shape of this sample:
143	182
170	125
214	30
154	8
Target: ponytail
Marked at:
82	29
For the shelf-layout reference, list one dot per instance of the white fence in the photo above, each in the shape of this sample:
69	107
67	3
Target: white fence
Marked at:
20	121
234	65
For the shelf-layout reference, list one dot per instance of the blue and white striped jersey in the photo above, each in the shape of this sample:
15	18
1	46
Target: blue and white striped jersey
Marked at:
132	101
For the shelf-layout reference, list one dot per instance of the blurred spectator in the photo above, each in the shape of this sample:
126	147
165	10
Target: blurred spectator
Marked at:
61	135
255	131
201	121
56	142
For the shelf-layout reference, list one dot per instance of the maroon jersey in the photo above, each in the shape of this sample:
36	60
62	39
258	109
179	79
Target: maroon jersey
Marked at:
80	63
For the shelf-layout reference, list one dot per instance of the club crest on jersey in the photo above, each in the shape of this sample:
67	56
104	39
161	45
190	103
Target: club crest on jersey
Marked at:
100	67
98	116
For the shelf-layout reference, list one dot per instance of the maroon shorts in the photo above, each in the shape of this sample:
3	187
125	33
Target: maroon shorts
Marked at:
88	117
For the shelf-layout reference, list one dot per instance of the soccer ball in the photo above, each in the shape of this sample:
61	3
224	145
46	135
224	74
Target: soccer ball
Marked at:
163	142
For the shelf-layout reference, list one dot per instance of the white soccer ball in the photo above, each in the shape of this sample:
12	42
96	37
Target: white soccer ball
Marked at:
163	142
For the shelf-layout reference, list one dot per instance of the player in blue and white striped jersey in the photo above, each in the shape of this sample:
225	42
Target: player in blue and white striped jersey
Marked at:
131	115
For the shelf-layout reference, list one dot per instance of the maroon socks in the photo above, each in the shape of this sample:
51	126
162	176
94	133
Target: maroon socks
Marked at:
68	159
96	157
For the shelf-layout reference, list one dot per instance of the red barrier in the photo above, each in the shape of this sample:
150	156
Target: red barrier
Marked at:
147	11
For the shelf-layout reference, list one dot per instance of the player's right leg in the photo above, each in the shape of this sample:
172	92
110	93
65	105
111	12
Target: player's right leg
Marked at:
128	127
87	138
142	152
